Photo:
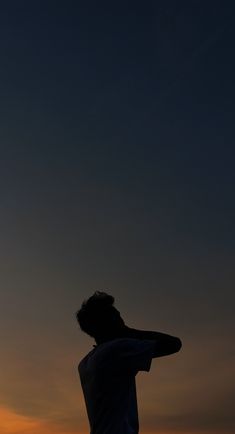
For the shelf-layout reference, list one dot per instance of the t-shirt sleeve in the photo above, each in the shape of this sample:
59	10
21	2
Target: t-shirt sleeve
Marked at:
134	355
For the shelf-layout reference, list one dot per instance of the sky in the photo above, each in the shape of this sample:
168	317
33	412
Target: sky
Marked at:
117	174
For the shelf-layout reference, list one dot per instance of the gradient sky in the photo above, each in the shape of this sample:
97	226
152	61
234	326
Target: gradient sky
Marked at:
117	173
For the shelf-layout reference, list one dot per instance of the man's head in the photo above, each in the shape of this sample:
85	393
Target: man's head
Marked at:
99	318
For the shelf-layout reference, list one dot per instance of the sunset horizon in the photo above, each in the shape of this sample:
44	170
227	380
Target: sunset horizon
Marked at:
117	174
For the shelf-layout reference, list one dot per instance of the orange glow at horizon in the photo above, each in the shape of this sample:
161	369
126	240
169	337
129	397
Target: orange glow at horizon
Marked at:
13	423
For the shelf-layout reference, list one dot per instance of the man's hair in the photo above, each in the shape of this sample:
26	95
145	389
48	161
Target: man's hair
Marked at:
95	313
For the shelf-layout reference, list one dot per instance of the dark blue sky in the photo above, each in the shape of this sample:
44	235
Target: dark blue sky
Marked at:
117	164
120	113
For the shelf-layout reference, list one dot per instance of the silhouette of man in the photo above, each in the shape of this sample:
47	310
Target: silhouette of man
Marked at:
107	373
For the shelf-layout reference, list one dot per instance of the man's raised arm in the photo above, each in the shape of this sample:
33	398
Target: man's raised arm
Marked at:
165	344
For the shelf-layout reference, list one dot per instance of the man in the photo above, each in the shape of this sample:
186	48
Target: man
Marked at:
107	373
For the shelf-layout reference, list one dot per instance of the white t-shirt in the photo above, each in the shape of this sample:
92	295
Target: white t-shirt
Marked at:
107	375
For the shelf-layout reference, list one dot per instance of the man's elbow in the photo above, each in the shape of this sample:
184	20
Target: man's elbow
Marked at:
178	344
173	345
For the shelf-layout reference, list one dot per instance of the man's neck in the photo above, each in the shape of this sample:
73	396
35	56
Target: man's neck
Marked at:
122	333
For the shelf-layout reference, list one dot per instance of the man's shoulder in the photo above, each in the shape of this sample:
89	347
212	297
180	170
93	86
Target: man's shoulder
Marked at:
107	348
84	360
81	364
